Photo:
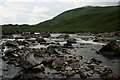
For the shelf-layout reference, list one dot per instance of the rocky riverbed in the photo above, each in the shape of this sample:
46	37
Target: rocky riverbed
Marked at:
38	56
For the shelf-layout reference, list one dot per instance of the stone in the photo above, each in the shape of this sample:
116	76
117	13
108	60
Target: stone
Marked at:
41	40
70	73
91	66
96	40
65	36
58	63
11	43
52	49
68	45
71	40
49	59
45	35
68	58
67	73
15	55
28	60
75	66
39	68
96	61
111	77
82	75
68	68
110	50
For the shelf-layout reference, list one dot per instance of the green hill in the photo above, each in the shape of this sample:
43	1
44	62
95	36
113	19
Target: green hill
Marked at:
84	19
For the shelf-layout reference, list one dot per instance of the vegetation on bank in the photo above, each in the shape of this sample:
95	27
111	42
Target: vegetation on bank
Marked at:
85	19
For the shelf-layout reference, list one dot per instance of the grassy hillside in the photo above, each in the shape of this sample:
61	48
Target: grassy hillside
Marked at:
85	19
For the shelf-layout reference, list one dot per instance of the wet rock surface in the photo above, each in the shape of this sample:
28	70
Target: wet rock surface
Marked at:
38	56
110	50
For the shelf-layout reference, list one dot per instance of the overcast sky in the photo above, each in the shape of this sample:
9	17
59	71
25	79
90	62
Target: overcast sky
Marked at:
35	11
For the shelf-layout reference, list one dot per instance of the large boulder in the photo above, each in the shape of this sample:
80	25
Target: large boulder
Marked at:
28	60
110	50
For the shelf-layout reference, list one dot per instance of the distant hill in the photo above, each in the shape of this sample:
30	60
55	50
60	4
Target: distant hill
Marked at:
84	19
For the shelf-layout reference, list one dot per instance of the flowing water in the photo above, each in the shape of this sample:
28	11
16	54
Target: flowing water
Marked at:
85	48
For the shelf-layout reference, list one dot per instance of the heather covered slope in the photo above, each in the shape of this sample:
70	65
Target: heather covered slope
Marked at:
84	19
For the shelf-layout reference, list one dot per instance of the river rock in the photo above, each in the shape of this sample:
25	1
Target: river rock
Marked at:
65	36
68	58
12	53
91	66
96	61
45	35
71	40
68	68
38	52
83	75
11	43
111	77
49	59
58	63
72	58
24	42
67	73
20	37
110	50
53	49
117	34
39	68
75	66
28	60
41	40
68	45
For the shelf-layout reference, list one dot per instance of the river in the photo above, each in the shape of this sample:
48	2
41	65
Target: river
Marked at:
85	48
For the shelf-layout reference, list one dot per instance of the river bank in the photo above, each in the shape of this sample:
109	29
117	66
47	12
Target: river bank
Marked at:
53	55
